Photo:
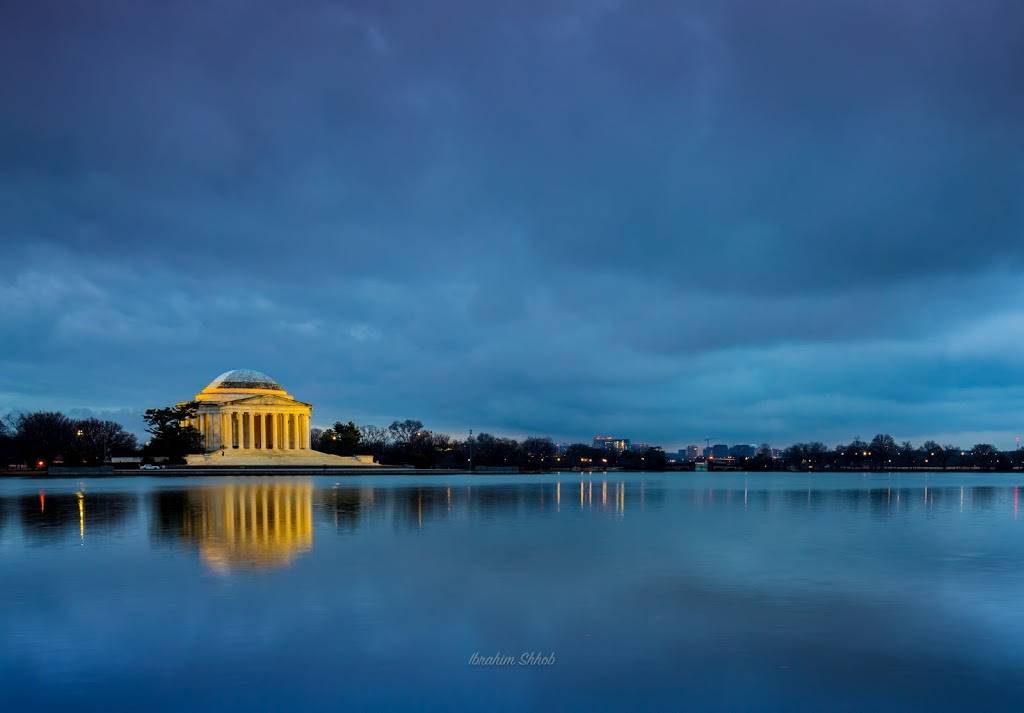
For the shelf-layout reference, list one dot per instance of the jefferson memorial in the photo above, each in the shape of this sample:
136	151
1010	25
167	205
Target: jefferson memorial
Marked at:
247	418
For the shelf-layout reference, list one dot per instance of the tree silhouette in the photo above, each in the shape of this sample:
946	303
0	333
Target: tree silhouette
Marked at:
172	436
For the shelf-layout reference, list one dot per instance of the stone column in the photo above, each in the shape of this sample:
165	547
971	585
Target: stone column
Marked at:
272	430
292	440
246	431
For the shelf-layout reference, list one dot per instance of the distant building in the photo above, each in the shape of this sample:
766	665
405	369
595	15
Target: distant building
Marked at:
639	446
692	452
742	451
719	450
611	443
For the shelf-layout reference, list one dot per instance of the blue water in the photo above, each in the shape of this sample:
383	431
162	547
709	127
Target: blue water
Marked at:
631	591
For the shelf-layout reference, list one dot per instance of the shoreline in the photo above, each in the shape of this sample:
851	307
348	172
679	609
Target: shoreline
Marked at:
206	471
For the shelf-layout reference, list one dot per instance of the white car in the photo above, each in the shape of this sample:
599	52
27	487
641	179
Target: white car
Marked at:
150	466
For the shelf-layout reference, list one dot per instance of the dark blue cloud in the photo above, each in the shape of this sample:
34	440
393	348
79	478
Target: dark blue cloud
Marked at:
671	220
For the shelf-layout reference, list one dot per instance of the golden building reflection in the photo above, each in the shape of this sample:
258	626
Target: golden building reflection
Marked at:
250	526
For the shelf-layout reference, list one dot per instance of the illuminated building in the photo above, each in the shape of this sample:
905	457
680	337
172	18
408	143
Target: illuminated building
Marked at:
246	418
611	443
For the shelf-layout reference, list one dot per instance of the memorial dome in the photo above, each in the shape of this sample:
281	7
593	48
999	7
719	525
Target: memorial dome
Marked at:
243	379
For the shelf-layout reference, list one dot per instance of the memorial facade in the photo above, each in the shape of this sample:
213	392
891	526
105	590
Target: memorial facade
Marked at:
246	418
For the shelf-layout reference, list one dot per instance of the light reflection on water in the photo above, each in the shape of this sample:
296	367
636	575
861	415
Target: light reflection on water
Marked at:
262	525
699	591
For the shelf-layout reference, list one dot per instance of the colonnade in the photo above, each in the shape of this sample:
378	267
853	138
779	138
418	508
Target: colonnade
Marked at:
253	430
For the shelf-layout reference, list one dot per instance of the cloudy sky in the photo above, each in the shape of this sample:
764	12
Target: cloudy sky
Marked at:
732	219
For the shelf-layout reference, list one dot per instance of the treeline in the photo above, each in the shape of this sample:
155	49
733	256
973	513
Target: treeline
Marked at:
884	453
409	443
43	438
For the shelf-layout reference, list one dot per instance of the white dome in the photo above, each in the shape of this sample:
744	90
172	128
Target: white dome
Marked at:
244	379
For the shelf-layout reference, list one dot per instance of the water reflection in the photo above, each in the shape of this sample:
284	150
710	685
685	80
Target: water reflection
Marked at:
348	509
241	526
344	507
48	517
268	523
723	591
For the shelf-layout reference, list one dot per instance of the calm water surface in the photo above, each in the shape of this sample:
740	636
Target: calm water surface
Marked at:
679	591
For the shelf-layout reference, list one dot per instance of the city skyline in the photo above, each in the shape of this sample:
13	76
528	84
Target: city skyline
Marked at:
554	219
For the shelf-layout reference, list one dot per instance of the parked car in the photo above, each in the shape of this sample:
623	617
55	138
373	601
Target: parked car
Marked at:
150	466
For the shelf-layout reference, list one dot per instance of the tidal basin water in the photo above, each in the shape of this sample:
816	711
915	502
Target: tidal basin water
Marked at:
641	592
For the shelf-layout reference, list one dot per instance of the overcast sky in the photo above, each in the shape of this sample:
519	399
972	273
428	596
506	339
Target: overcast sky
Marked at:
741	220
